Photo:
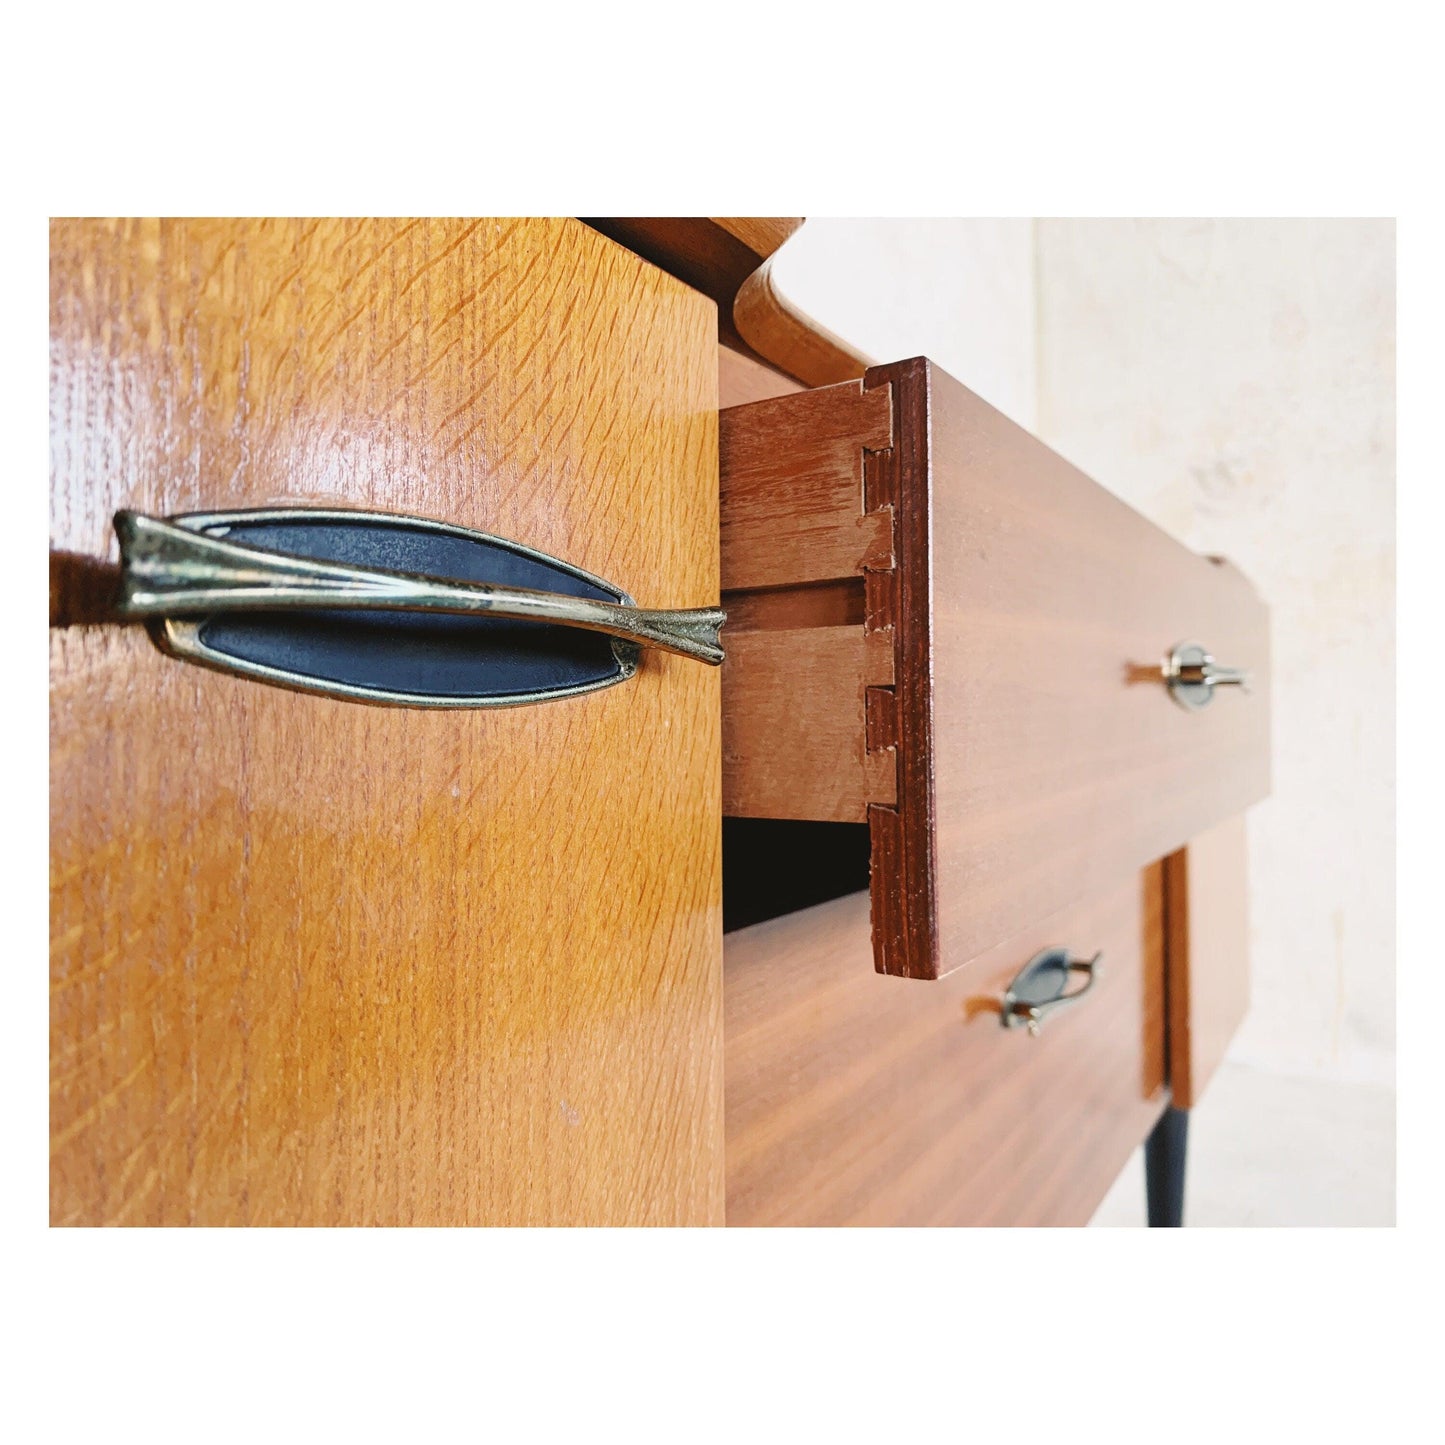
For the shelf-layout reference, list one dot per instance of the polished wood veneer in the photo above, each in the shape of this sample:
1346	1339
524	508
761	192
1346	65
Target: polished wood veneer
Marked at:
315	962
855	1099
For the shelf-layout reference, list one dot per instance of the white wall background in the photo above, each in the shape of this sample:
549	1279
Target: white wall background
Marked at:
1234	381
961	293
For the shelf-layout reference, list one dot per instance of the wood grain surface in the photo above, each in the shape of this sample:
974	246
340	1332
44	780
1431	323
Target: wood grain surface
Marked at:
1058	757
1038	755
1206	888
781	760
742	378
792	488
315	962
795	535
855	1099
712	254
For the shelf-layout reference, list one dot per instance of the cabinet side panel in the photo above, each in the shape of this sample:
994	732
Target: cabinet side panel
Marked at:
315	962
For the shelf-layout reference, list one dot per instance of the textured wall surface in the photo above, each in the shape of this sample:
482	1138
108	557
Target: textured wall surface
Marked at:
958	292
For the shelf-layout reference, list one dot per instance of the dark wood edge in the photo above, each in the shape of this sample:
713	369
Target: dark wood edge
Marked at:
1175	882
698	250
904	873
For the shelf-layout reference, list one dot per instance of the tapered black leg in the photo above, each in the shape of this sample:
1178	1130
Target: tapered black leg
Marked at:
1164	1169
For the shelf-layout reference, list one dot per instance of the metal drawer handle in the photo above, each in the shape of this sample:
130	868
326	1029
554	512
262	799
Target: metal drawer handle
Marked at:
1039	988
1192	674
169	570
305	587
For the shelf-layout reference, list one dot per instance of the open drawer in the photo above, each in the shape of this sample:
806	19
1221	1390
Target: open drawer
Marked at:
942	629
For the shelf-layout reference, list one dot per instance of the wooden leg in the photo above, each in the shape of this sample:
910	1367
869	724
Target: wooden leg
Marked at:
1164	1169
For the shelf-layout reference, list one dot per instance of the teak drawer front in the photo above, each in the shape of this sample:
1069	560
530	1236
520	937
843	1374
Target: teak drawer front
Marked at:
942	628
316	962
853	1098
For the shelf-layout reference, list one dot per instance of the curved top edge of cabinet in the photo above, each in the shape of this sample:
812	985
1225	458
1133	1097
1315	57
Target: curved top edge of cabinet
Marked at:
730	258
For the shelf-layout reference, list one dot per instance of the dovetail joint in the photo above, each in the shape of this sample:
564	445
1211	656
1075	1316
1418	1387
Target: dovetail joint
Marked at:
881	637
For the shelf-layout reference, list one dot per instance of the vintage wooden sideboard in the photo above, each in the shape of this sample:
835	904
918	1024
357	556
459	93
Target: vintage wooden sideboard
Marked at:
411	863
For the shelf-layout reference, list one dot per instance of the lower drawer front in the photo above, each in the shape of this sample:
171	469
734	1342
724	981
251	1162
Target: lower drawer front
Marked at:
854	1098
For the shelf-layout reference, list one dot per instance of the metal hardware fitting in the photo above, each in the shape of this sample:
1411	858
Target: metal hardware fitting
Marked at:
1038	989
1191	674
202	567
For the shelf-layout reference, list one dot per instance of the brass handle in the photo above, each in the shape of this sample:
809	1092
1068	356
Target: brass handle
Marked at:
1039	988
1191	674
169	570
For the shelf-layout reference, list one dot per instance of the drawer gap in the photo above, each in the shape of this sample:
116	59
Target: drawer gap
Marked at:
840	603
772	867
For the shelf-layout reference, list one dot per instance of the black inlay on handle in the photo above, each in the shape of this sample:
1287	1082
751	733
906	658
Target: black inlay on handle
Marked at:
426	655
1044	981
